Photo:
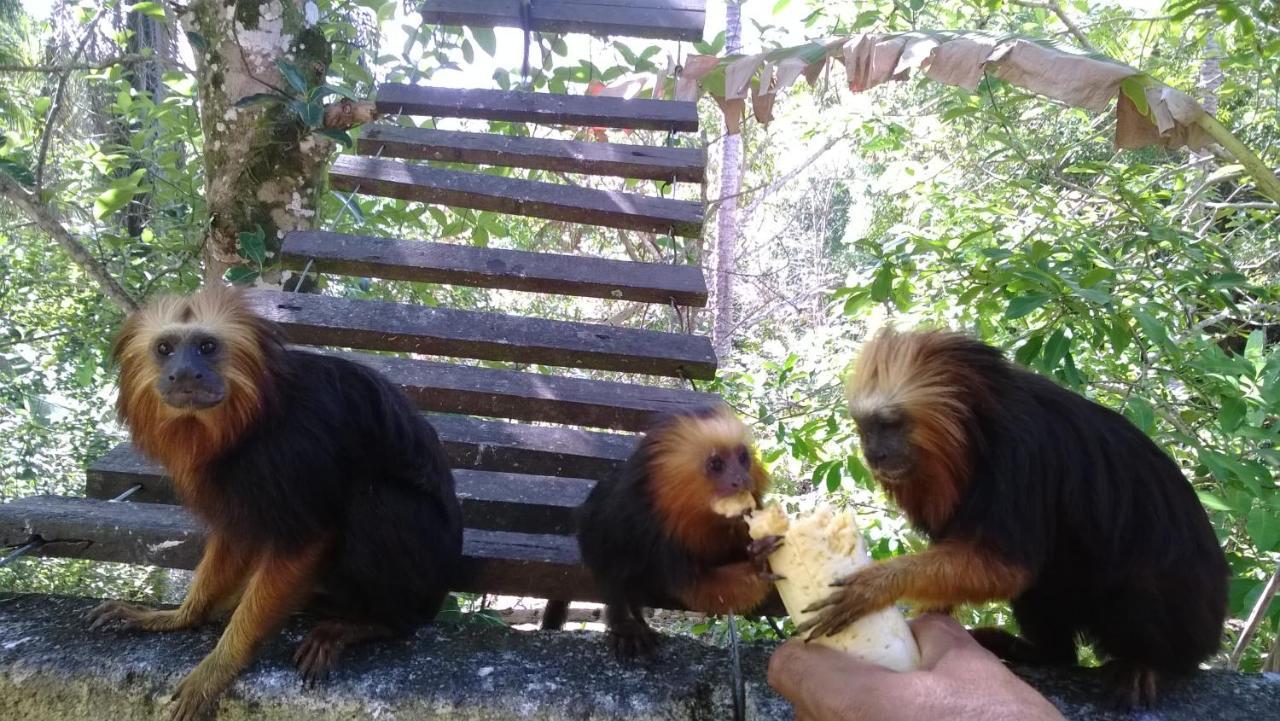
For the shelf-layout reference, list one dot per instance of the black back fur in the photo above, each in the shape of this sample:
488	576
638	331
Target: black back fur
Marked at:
1118	545
340	455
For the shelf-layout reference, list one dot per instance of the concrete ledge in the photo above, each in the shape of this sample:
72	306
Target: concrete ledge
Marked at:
52	668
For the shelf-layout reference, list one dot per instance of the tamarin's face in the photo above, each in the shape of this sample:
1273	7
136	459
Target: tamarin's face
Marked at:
884	434
728	470
190	353
705	455
187	359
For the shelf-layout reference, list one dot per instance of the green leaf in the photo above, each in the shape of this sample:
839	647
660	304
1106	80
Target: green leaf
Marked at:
486	39
1025	304
1212	502
293	76
1152	328
780	6
1133	88
150	9
882	284
1232	413
253	245
1096	276
1264	527
250	101
197	41
1055	348
1224	281
240	275
1141	414
341	136
1028	351
118	195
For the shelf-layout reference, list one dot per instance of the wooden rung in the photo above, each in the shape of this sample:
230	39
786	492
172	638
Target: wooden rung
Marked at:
621	160
491	500
377	325
390	178
152	534
653	19
448	388
542	108
493	268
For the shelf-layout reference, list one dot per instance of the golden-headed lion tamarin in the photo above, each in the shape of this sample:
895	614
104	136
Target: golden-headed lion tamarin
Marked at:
1034	494
650	535
318	481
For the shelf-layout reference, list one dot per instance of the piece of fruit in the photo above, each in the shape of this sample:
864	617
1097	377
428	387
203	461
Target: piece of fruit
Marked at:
817	549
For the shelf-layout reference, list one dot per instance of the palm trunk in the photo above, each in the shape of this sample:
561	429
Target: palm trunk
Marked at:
727	221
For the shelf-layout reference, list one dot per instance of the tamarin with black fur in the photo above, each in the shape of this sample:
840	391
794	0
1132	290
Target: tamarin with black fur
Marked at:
1034	494
318	481
649	534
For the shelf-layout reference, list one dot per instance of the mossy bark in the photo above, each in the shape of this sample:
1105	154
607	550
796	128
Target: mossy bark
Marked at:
263	168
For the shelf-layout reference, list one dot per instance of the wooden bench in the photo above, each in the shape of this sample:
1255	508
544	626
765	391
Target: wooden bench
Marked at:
657	19
518	482
527	441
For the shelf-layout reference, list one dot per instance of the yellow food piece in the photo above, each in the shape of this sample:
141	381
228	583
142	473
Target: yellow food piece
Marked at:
819	548
735	505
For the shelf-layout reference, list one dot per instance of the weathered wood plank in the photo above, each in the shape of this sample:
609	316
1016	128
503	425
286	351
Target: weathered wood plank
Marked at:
555	201
491	500
153	534
543	108
425	262
539	450
665	21
646	162
448	388
376	325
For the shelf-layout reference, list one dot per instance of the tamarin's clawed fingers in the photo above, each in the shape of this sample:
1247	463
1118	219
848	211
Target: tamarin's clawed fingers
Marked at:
1033	494
319	651
759	550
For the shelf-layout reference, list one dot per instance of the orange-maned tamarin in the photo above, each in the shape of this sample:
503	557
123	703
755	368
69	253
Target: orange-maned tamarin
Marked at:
319	484
1034	494
651	534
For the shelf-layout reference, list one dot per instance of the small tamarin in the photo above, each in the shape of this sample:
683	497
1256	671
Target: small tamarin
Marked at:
651	533
318	482
1034	494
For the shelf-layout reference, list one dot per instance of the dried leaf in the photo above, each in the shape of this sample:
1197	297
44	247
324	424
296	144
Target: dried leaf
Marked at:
1060	72
733	110
695	68
738	74
788	71
960	60
346	114
872	59
660	81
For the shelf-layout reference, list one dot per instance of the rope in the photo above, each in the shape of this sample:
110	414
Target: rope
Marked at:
739	688
526	24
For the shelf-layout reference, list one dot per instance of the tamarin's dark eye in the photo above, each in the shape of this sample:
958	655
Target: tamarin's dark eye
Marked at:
744	458
208	347
716	465
163	348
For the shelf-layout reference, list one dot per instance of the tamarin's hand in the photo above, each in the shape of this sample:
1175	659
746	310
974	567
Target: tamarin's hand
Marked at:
958	680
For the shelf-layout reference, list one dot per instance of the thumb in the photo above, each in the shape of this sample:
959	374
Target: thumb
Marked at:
800	670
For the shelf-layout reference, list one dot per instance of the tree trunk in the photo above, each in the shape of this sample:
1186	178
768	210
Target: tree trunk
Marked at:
264	169
727	222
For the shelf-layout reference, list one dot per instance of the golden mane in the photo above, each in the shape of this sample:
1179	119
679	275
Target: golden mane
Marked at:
919	374
677	455
184	440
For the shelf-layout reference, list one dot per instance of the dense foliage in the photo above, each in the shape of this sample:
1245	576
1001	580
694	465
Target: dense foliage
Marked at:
1144	279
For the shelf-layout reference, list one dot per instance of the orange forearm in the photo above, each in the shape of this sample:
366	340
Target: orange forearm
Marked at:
946	574
728	588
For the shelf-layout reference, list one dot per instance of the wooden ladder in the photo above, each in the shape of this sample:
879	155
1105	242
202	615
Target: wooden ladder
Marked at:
518	482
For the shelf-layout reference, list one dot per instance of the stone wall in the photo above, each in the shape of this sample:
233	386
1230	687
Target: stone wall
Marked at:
52	668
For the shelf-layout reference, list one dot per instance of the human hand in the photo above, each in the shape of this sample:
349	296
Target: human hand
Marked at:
958	680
